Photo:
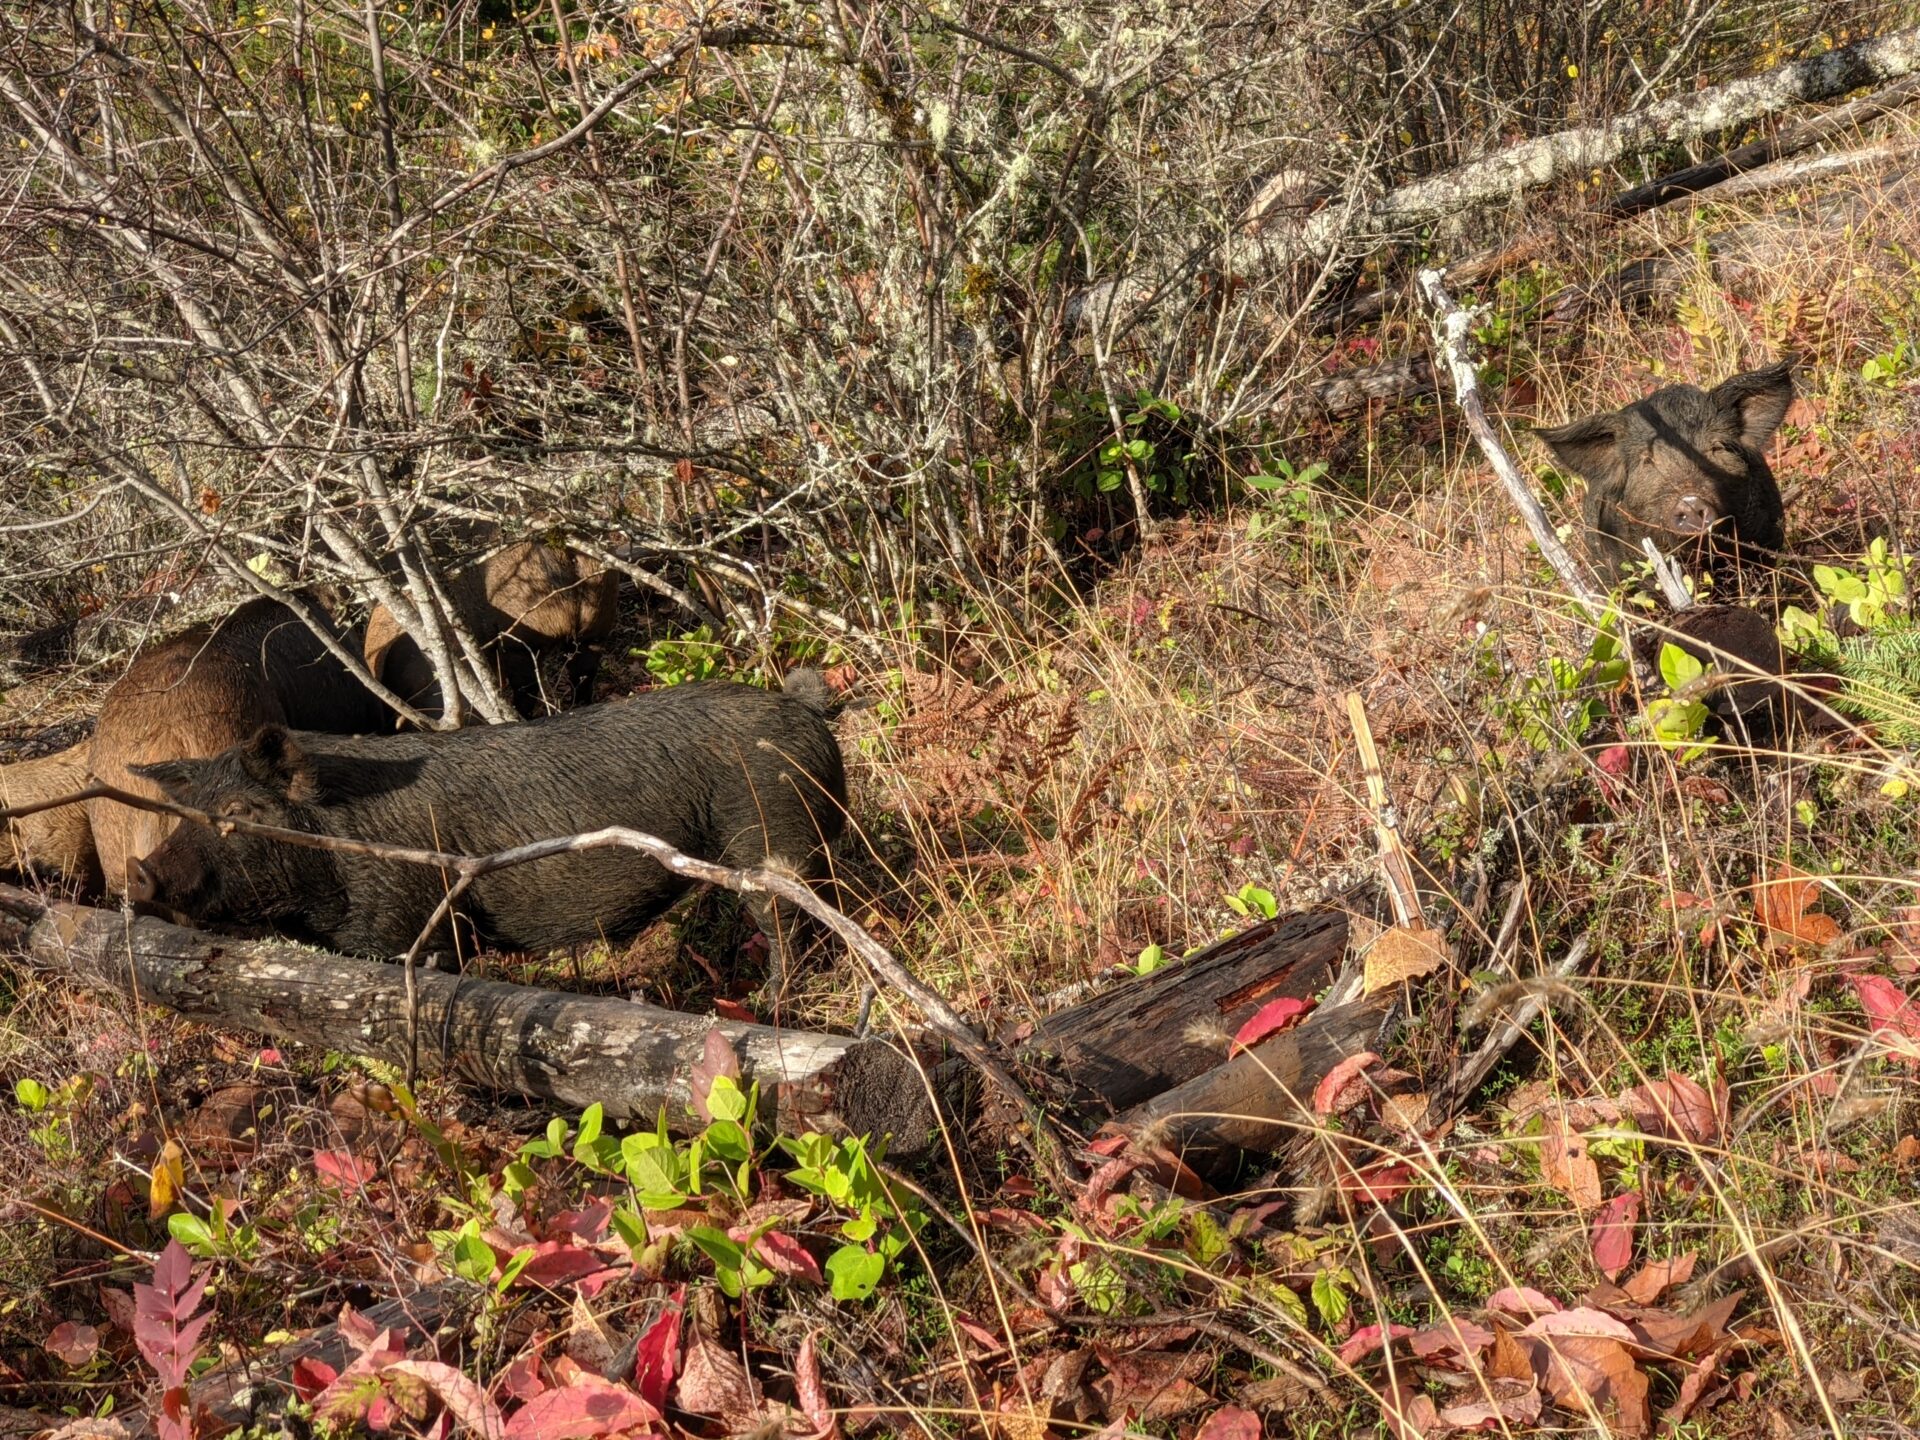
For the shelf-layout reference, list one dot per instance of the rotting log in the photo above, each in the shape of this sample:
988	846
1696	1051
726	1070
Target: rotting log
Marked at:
1260	1100
632	1058
239	1393
1137	1039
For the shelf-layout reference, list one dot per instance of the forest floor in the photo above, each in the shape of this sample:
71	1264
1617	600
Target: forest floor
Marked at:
1711	1132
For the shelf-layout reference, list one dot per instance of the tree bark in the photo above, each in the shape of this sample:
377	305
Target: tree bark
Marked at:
574	1050
1144	1036
1260	1100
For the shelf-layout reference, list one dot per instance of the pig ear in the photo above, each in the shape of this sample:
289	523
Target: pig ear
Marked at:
273	759
1757	401
174	777
1590	448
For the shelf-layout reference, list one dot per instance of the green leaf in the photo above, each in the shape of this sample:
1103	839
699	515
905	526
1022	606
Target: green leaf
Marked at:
861	1227
1110	480
631	1228
1330	1297
191	1231
34	1096
1151	959
655	1170
473	1258
1677	667
853	1272
725	1099
725	1253
511	1270
591	1120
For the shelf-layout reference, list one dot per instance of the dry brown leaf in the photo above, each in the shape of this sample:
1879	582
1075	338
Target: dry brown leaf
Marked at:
1782	903
1406	1414
1516	1405
1512	1358
169	1178
1657	1277
1567	1167
713	1381
1403	952
1587	1373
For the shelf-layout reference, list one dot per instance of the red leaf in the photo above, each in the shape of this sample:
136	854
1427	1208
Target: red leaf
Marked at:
1100	1184
165	1328
1782	904
1229	1422
658	1355
579	1412
311	1377
812	1393
1613	1233
1379	1184
555	1262
339	1165
1450	1339
1615	760
1583	1321
1331	1093
269	1056
719	1059
1269	1019
1106	1145
1369	1338
785	1255
734	1010
119	1307
1677	1106
72	1344
1522	1300
1895	1016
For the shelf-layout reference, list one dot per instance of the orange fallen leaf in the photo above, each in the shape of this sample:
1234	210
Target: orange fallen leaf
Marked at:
1782	903
1567	1167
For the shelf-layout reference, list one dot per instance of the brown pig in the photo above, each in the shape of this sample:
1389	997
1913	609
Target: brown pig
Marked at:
50	842
200	692
530	597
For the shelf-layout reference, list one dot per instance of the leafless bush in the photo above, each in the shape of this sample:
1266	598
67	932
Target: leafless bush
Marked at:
797	312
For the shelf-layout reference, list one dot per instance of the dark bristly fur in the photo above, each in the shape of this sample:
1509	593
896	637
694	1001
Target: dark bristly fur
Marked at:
724	772
1685	466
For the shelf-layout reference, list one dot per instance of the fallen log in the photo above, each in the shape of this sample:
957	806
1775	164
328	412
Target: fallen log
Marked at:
240	1393
1259	1101
1841	120
1145	1036
575	1050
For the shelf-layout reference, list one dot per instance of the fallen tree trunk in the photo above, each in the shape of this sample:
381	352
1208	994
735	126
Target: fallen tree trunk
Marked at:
1841	120
1145	1036
1259	1101
633	1059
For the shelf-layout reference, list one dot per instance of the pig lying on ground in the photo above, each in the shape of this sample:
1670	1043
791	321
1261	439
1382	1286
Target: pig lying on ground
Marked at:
530	597
1685	467
723	772
200	692
51	842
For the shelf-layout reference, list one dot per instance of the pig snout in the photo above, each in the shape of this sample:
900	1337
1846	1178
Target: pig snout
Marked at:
143	886
1695	515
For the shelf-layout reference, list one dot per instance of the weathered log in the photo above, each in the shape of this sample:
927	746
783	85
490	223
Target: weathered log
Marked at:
246	1390
1260	1100
1841	120
1135	1040
633	1059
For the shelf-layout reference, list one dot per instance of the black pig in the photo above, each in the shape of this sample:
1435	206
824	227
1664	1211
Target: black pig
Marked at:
723	772
1684	466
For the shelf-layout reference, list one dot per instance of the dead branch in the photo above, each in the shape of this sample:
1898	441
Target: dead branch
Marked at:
1450	327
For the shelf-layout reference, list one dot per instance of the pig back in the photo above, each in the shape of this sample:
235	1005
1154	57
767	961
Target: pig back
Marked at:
724	772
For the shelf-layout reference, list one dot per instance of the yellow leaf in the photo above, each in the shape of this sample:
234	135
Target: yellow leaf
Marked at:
1403	953
169	1179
